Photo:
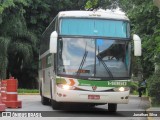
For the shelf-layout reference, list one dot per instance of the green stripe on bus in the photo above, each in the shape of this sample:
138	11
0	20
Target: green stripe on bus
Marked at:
113	83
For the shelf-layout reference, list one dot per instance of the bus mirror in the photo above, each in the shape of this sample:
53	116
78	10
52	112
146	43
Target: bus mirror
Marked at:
137	45
53	42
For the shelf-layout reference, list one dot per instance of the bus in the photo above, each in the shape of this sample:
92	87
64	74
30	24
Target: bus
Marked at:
85	57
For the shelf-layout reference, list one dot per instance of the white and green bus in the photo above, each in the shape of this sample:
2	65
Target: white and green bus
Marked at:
85	57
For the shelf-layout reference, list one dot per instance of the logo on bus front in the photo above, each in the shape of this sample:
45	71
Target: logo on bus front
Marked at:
117	83
94	88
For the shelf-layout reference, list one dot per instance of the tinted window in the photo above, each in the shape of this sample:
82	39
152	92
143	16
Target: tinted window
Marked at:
94	27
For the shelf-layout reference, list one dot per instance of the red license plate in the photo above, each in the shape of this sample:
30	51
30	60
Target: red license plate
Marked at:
94	97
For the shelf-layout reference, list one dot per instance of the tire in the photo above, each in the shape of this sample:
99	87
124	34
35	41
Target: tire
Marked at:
56	105
44	100
91	105
112	107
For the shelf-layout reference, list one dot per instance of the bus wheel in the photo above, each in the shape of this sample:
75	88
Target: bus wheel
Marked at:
112	107
55	105
44	100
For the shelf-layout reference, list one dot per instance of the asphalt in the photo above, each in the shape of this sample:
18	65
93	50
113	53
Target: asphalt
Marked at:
138	103
145	104
153	112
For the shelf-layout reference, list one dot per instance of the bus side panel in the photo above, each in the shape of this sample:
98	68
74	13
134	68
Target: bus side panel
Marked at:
52	83
43	82
46	83
52	78
40	75
45	75
49	76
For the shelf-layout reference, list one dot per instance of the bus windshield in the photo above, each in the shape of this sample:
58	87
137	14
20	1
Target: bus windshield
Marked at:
94	27
87	57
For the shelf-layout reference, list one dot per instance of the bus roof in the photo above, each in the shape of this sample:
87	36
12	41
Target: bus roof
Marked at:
93	14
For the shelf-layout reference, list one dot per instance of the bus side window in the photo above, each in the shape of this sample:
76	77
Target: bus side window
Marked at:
46	38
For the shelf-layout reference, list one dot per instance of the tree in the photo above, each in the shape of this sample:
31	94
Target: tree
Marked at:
3	56
22	22
17	42
144	18
4	41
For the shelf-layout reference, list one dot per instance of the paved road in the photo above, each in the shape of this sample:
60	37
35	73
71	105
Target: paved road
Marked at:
124	111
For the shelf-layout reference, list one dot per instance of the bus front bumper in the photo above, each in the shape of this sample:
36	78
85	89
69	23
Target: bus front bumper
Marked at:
91	97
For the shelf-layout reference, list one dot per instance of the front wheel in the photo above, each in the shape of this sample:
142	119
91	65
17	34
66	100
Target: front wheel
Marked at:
56	105
112	107
44	100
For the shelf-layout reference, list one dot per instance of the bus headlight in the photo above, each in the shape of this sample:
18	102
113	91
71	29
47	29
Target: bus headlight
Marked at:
121	89
66	87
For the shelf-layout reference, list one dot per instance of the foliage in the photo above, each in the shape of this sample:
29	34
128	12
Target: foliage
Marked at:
145	21
3	56
144	18
18	43
23	21
133	87
153	87
97	4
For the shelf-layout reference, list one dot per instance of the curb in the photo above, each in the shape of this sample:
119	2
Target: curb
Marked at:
147	111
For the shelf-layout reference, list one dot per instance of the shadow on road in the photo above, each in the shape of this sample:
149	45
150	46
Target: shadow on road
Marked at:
85	111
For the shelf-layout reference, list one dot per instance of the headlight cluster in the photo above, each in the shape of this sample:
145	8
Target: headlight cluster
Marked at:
121	89
66	87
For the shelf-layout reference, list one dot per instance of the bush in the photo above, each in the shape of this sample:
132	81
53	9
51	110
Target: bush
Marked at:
133	87
28	91
153	87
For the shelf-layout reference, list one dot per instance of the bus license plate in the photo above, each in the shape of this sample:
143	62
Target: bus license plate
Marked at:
94	97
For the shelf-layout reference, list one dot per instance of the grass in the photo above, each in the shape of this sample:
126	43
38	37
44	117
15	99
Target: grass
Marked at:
27	91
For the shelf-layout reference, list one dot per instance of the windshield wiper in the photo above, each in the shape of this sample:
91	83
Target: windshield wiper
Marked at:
82	62
105	66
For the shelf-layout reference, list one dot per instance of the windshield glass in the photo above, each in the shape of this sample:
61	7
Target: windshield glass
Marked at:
94	27
100	58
